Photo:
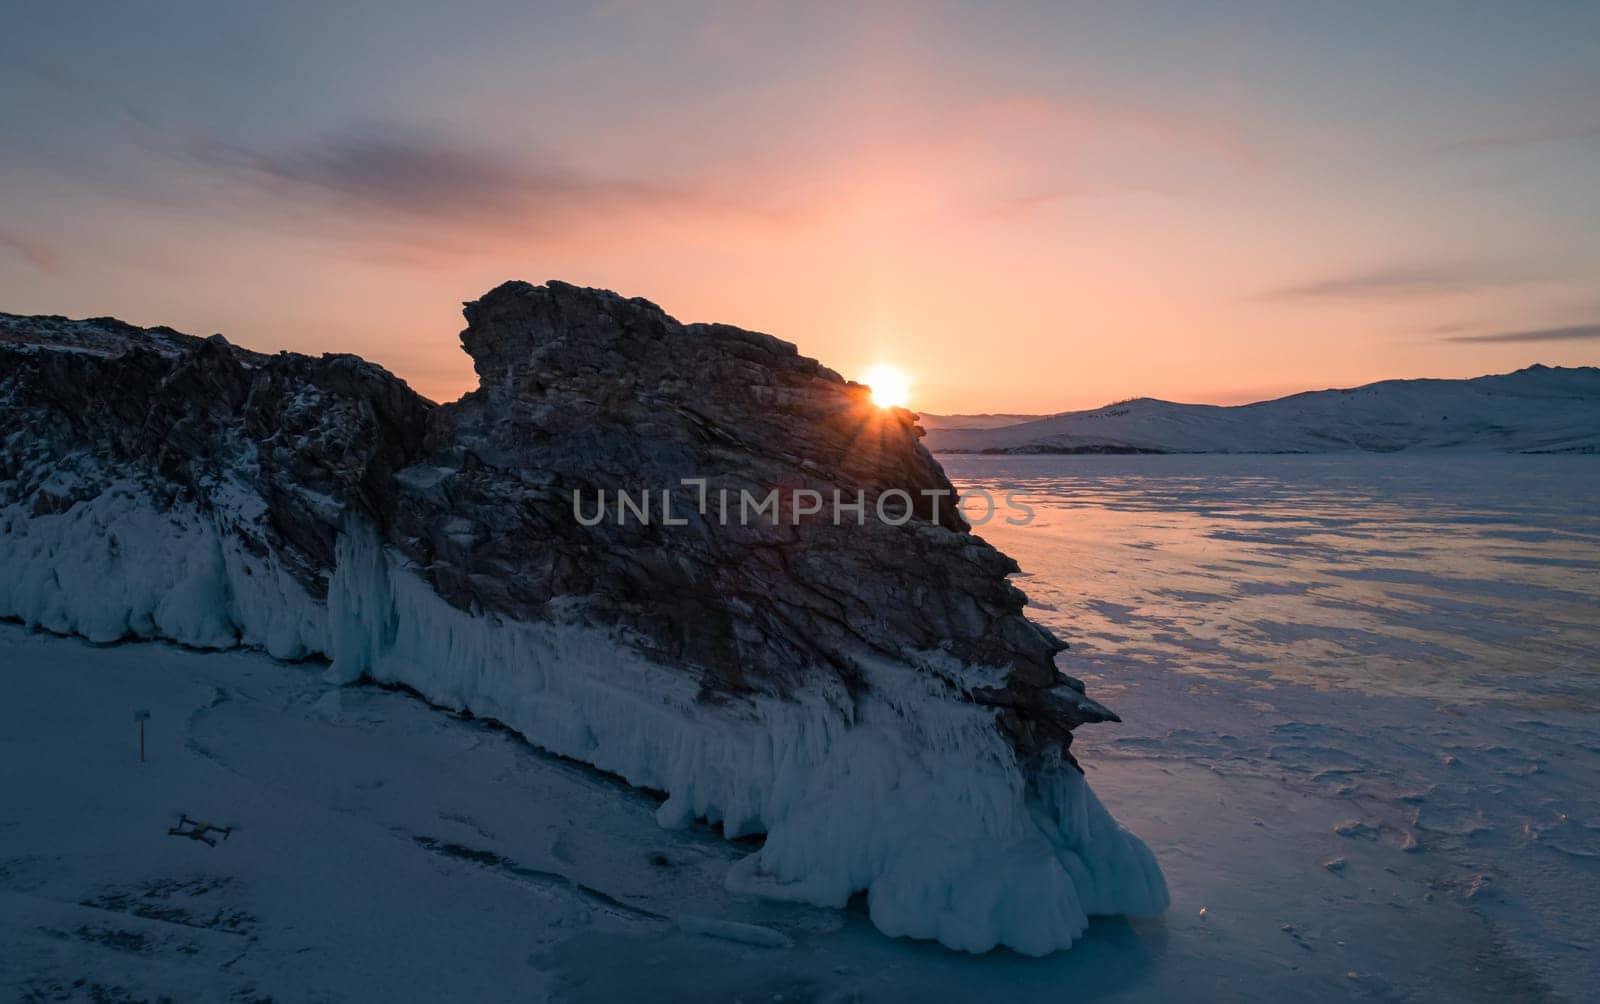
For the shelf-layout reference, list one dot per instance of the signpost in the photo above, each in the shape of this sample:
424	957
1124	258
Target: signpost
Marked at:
141	716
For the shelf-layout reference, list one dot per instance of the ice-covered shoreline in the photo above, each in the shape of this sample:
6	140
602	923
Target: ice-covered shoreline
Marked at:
897	793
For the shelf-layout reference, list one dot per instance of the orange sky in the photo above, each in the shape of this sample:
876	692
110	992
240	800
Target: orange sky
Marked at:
1027	210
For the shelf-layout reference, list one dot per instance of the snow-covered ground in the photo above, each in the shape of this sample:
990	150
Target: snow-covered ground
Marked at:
1360	735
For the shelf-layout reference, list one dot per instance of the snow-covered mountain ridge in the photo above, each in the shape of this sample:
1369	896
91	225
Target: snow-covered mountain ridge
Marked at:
1539	409
870	697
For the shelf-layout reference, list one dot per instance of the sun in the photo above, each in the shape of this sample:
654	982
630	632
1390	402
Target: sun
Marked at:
891	388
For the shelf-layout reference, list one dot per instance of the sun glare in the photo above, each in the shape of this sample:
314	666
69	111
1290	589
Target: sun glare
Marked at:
891	388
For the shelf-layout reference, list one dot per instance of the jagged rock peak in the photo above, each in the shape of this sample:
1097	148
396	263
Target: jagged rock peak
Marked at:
600	394
102	336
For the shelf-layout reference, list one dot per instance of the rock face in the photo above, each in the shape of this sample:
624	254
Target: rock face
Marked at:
586	392
157	485
91	405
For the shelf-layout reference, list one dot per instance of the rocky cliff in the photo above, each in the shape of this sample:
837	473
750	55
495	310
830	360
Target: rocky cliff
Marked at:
558	550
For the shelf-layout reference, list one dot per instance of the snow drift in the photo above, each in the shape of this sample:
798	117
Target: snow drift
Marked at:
868	697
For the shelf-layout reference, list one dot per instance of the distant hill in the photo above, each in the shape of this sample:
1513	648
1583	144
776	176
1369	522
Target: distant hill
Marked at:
974	421
1540	409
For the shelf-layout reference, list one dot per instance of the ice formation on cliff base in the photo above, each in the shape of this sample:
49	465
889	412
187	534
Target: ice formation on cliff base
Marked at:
900	792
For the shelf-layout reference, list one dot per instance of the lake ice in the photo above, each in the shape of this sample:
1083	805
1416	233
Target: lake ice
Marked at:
1378	678
1359	733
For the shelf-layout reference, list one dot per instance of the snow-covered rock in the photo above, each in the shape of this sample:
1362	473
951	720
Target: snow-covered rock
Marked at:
1541	409
869	695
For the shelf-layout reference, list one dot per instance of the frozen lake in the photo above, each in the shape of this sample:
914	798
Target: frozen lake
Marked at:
1411	642
1359	697
1446	576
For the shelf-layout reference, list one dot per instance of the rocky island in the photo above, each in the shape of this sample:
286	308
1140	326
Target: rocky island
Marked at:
867	694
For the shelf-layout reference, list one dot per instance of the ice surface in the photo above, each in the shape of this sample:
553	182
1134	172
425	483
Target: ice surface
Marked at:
732	930
1411	639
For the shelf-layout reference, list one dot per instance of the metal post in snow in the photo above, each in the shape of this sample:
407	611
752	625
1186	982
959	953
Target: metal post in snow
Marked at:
141	716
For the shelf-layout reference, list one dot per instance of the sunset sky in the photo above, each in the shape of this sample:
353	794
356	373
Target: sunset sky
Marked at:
1026	207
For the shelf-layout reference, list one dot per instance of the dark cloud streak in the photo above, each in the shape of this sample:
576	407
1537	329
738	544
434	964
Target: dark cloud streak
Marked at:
1571	333
1520	138
1439	277
411	174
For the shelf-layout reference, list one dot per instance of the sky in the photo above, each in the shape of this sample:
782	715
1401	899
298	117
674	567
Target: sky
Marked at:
1026	207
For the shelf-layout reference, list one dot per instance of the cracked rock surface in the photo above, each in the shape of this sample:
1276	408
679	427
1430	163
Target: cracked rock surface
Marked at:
581	393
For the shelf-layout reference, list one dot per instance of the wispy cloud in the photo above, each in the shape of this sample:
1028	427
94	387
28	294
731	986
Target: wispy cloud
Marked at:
1571	333
1408	280
30	249
404	173
420	199
1525	136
